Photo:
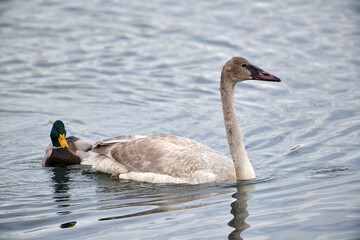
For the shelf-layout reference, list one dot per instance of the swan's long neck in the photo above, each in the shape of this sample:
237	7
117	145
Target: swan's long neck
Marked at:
243	167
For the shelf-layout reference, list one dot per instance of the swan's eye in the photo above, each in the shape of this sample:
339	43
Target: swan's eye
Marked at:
243	65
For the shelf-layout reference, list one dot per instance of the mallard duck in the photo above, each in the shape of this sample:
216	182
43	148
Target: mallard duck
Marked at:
63	150
165	158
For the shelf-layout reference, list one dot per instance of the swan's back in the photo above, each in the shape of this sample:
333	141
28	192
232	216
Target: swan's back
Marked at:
161	156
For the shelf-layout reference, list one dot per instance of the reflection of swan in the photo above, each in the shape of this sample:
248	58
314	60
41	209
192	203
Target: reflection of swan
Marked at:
239	210
141	199
164	158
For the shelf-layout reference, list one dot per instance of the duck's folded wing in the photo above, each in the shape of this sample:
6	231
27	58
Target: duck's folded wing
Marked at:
47	154
78	144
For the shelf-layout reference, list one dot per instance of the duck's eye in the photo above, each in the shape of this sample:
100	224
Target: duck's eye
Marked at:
243	65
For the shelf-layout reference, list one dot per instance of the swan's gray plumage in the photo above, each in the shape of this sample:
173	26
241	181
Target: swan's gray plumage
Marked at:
166	155
164	158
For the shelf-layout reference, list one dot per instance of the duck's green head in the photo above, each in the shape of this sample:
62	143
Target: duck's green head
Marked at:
58	134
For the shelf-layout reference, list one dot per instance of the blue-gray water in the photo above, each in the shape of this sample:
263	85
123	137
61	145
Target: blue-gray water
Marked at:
110	68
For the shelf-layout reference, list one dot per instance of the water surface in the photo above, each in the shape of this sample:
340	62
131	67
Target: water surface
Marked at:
110	68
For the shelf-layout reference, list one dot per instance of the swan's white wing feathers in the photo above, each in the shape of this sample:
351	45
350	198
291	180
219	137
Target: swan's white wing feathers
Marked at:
105	146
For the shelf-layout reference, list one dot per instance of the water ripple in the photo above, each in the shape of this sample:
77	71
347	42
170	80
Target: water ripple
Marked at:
111	68
330	172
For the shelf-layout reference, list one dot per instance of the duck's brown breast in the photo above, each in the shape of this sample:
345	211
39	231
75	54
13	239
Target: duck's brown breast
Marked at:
62	157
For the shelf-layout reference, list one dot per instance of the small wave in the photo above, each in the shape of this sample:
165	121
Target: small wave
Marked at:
330	172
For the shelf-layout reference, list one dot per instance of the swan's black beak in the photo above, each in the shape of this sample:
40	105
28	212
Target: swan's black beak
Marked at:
259	74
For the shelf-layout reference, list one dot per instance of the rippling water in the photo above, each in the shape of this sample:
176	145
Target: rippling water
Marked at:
110	68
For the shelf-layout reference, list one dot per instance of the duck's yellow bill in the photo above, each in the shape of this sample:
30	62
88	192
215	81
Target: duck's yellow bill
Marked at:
62	141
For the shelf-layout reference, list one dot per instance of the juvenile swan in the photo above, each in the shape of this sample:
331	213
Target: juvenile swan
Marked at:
163	158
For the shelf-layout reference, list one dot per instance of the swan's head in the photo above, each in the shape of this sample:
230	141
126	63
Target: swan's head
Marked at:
58	134
239	69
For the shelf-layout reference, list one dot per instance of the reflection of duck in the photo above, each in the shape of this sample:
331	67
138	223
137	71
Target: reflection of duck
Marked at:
61	185
239	210
62	151
61	179
164	158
